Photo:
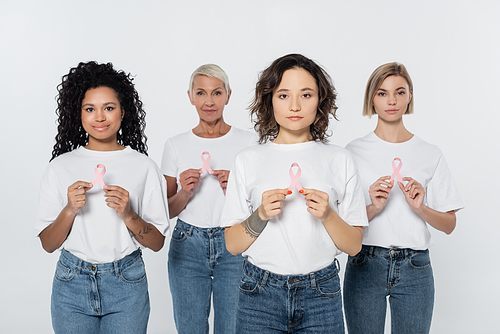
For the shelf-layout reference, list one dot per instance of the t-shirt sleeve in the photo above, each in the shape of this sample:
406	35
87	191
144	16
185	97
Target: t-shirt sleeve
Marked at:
154	209
169	160
49	203
237	206
442	192
352	207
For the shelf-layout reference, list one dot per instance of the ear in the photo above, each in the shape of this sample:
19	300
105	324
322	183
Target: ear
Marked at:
228	96
123	113
190	98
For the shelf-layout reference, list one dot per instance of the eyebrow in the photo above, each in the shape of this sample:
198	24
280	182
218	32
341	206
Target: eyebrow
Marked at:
395	89
92	105
287	90
203	89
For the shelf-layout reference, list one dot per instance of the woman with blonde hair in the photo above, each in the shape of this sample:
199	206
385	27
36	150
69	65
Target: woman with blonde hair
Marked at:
394	262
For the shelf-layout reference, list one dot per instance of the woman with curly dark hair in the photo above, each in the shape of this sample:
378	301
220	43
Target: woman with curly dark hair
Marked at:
100	281
291	239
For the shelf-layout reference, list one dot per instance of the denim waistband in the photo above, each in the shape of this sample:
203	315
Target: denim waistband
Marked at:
84	266
190	229
387	252
291	281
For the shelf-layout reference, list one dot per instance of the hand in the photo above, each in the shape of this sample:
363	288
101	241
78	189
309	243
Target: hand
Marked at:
271	203
189	179
76	195
414	193
379	192
317	203
222	175
118	198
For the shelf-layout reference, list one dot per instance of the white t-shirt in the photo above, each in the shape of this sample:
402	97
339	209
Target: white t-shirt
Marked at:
397	225
293	242
184	151
98	235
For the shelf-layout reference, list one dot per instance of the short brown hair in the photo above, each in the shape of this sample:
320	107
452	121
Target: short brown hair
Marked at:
261	106
377	78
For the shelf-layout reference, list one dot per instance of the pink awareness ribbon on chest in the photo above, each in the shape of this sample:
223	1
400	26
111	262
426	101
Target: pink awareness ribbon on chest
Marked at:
99	175
396	170
295	179
205	163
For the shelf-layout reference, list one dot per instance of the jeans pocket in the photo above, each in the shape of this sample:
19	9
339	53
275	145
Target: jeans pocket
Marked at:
134	273
420	260
64	273
248	284
357	260
179	234
329	287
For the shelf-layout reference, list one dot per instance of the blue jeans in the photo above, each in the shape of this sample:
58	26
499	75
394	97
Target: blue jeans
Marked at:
199	265
100	298
403	275
272	303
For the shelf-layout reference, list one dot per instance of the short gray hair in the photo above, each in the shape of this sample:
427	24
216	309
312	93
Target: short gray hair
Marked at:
211	71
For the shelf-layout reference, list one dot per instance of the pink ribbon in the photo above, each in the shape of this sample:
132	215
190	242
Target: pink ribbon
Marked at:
99	175
205	163
295	179
396	170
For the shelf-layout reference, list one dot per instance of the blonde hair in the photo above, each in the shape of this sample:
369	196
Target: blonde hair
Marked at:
377	78
211	71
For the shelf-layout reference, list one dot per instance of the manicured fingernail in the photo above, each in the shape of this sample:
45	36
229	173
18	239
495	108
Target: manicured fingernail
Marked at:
301	191
289	192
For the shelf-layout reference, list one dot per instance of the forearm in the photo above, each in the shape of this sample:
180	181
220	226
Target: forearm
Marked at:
54	235
241	236
347	238
442	221
146	233
177	203
371	211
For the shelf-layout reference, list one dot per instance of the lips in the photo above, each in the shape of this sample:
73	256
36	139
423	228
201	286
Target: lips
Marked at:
295	118
100	127
392	111
209	111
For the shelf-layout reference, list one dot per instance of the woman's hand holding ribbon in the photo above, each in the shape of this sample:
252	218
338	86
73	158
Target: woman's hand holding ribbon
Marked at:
317	203
271	203
379	193
189	179
118	198
414	193
222	175
76	195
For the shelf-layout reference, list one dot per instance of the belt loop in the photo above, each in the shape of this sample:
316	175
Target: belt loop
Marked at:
371	249
313	280
190	230
79	267
264	279
337	264
407	253
117	268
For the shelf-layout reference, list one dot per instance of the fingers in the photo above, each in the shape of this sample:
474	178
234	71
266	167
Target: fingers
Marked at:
117	198
189	179
76	195
317	202
271	203
412	188
222	175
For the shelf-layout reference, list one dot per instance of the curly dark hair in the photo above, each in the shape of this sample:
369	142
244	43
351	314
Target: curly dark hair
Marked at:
74	85
261	107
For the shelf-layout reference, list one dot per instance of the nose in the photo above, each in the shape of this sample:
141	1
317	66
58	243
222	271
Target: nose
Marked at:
392	100
295	104
100	116
209	101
